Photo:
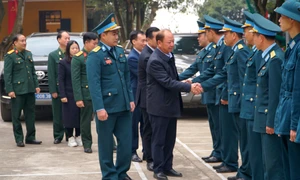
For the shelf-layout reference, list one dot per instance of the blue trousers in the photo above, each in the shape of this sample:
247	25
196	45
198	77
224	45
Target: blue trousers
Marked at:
118	124
214	125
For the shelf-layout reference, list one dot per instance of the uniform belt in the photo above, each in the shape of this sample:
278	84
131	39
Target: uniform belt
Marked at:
287	94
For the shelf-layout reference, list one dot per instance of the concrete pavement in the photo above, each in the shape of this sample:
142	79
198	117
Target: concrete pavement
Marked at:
60	162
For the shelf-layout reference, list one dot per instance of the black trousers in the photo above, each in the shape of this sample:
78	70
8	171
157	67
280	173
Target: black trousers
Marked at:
147	136
163	141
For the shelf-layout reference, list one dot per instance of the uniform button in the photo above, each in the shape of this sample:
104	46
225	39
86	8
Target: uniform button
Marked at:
28	77
257	85
243	94
266	110
244	84
57	84
234	93
27	66
256	96
215	67
109	94
254	106
251	99
19	82
86	86
119	70
245	74
28	72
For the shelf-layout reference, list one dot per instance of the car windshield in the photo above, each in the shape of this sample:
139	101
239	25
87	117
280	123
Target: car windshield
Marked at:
43	45
187	45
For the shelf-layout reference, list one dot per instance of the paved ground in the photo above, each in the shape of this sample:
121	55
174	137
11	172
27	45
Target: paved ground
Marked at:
60	162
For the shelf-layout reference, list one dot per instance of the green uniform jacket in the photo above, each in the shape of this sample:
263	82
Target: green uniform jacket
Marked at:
19	72
53	60
109	79
79	77
267	90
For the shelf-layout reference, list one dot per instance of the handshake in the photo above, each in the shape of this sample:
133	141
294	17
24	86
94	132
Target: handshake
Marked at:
196	88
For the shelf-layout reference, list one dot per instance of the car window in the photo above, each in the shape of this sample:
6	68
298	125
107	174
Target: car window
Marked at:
42	46
186	45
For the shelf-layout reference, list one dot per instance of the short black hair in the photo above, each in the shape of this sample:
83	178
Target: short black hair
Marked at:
134	34
59	34
89	36
149	32
16	38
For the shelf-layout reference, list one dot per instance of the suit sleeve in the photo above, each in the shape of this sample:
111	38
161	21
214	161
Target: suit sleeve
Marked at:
274	89
51	73
8	69
133	65
219	78
157	71
189	72
76	78
36	82
128	83
93	68
295	97
61	80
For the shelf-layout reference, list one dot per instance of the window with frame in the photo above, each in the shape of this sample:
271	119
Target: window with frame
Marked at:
52	16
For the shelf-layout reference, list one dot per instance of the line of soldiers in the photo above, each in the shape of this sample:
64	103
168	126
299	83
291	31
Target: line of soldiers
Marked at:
251	95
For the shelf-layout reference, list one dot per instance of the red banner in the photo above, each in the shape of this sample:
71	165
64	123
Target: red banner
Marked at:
12	14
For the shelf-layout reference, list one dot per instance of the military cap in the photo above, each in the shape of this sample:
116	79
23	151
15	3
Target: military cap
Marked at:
291	9
201	27
108	24
231	25
249	21
264	26
212	23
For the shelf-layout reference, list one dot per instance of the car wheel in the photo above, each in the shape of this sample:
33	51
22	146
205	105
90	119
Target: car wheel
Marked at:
5	112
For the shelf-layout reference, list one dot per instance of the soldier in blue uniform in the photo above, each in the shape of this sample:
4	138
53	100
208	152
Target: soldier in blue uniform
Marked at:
203	61
288	110
112	98
248	102
222	52
267	95
234	72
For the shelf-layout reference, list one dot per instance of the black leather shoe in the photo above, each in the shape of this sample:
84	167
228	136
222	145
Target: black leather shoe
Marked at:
225	169
206	157
160	176
33	142
57	141
135	158
213	160
150	166
20	144
127	178
172	172
88	150
218	166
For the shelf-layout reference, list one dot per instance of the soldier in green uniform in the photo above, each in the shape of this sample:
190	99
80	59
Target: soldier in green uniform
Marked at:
81	89
21	83
53	60
267	95
109	84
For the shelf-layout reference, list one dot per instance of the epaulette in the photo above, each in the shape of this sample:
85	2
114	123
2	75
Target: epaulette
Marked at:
79	53
96	49
214	46
272	54
11	51
240	46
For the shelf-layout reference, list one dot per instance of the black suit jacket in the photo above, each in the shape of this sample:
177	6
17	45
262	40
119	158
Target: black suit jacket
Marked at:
163	87
142	77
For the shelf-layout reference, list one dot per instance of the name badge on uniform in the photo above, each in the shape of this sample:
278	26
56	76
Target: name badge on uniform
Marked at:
107	61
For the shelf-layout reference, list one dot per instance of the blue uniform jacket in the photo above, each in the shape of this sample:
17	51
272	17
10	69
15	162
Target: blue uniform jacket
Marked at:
222	53
288	111
234	71
133	59
249	86
267	90
109	79
203	61
163	87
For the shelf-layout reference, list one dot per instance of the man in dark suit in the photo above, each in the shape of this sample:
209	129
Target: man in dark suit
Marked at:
164	103
138	41
141	93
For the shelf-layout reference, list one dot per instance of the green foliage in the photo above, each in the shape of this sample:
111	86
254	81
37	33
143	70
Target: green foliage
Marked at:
229	8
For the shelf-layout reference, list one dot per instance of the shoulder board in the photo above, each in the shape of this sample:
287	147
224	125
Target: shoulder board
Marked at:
214	46
272	54
240	46
79	53
96	49
11	51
